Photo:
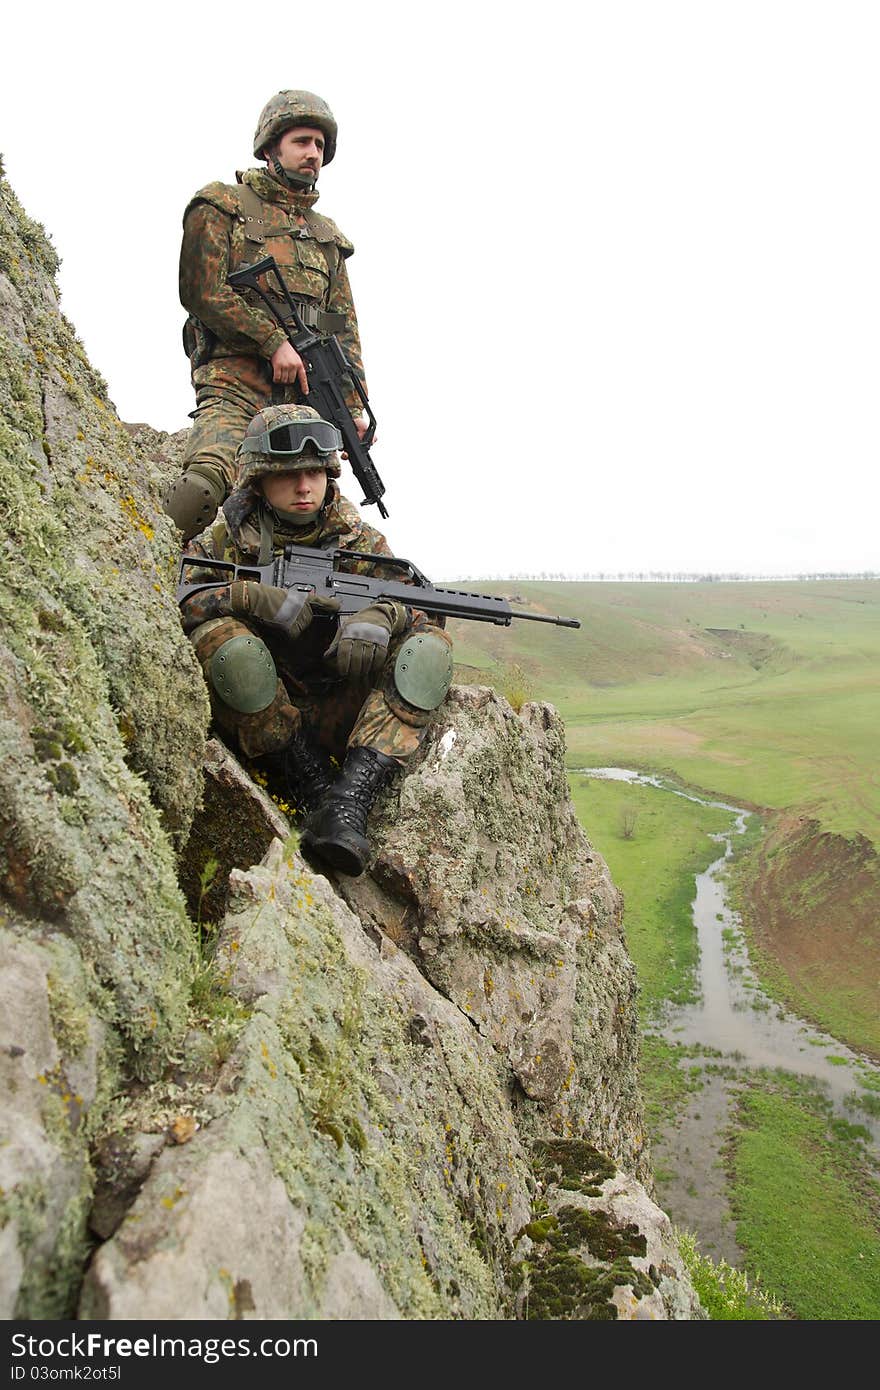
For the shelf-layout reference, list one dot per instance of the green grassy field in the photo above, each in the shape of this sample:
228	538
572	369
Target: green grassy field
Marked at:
782	713
654	844
805	1197
654	869
767	693
807	1207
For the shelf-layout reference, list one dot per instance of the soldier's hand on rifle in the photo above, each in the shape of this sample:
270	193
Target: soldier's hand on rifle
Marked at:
287	610
288	367
361	642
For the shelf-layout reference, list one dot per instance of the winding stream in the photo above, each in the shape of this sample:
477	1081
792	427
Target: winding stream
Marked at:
736	1018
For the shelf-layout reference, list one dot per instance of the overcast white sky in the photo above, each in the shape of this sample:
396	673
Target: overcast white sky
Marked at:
617	264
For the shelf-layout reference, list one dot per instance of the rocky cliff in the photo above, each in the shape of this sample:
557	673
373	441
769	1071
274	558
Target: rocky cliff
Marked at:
233	1087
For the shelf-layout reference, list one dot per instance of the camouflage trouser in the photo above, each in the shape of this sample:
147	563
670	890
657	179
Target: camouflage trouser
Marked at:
229	392
340	715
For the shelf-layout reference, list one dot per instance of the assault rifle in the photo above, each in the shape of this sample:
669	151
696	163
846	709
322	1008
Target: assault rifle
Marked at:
326	367
300	567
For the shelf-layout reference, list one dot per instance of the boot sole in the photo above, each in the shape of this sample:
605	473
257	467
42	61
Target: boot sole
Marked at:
344	860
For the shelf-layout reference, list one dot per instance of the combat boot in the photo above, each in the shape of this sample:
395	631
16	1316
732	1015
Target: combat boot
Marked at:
337	831
302	773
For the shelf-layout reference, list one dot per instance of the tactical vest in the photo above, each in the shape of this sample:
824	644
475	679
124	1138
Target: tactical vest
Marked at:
308	257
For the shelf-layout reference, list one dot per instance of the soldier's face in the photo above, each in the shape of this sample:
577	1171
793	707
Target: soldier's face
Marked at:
302	491
301	150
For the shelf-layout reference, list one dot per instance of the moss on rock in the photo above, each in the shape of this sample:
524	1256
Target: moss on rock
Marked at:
572	1164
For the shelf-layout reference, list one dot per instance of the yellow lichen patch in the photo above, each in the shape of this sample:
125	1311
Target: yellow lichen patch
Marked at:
268	1063
176	1196
130	507
183	1128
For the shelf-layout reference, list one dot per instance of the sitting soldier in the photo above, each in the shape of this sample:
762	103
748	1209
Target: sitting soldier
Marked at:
291	684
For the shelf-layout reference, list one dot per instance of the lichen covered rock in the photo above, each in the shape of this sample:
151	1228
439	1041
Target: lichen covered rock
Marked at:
102	727
486	877
363	1120
236	1087
598	1247
56	1076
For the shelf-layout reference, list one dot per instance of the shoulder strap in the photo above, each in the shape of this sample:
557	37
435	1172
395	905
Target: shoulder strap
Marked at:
318	229
252	212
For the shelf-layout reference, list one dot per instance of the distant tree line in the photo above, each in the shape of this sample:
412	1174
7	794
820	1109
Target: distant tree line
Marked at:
672	576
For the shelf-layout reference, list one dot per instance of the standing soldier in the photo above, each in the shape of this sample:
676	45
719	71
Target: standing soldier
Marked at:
240	358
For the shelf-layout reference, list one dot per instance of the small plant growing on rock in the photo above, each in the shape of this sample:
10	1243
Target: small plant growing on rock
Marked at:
515	684
206	879
725	1292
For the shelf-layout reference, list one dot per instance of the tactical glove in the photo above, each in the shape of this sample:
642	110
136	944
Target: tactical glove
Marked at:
361	643
286	610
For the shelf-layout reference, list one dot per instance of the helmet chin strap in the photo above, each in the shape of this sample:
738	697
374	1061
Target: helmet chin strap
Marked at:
305	181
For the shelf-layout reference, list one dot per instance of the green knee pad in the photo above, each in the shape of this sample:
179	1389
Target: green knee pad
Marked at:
423	670
192	499
243	674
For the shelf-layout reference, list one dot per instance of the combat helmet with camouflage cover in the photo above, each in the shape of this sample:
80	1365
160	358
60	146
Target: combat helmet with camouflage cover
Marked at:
291	108
286	438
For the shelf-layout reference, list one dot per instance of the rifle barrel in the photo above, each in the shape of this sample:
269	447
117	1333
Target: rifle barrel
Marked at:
545	618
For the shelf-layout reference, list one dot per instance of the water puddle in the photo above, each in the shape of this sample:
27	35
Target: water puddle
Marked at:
742	1029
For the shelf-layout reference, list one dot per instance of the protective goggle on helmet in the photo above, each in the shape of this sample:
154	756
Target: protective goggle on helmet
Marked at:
290	438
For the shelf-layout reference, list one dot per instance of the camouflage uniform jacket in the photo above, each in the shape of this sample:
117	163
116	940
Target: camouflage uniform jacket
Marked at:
309	249
235	536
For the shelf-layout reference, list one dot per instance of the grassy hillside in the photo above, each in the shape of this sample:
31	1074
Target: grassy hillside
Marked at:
810	903
768	692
